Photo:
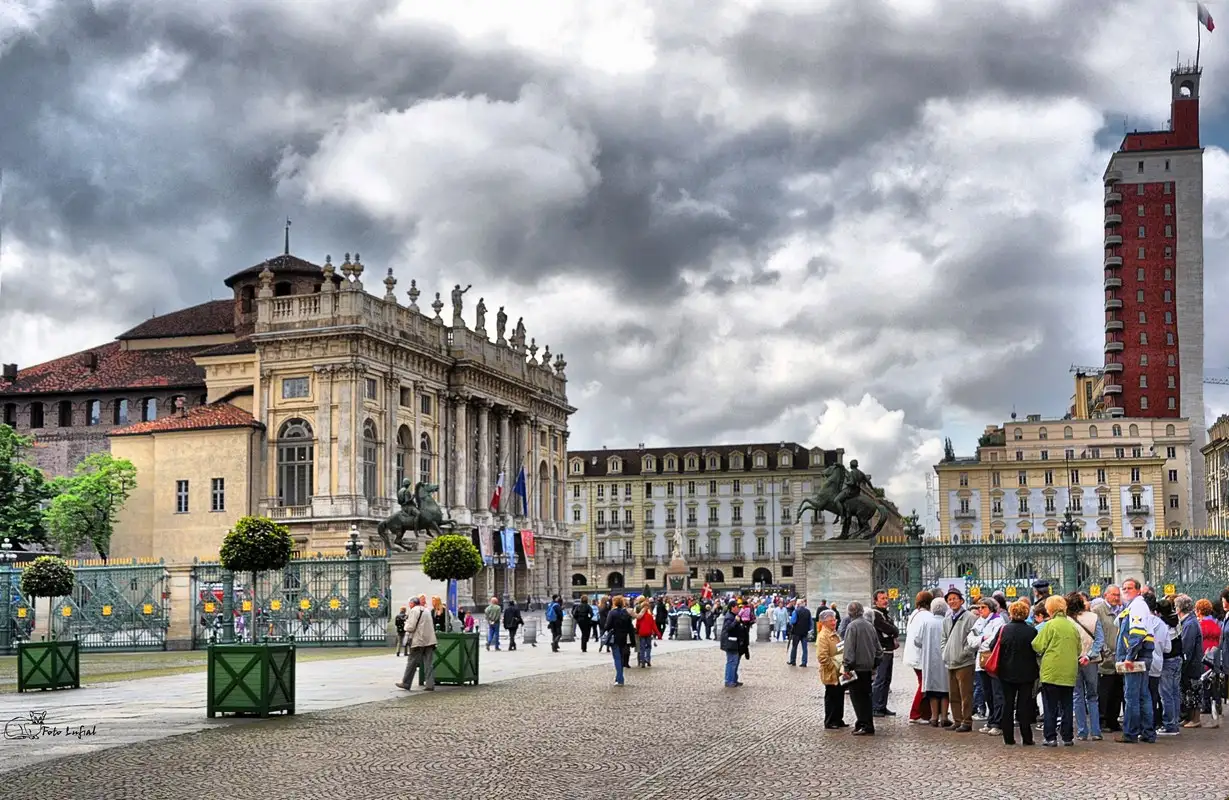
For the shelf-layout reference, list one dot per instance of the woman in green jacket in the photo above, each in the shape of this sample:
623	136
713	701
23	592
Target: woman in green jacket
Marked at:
1058	644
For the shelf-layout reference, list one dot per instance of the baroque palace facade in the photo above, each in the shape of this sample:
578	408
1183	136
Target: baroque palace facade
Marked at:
1120	477
735	506
308	400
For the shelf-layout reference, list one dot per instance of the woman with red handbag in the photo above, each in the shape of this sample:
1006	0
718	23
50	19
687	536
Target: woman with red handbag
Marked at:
1013	661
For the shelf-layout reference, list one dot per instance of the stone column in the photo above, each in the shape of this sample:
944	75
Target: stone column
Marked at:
484	454
393	402
266	376
324	430
1129	556
460	447
345	430
507	452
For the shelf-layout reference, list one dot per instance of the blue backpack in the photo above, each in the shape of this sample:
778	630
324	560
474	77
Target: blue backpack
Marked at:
552	612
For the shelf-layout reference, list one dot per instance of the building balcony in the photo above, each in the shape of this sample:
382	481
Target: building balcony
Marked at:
648	524
290	512
1113	325
628	525
1051	512
1113	303
1113	388
761	521
1112	240
1138	510
1112	197
599	525
1113	176
1113	366
1112	283
579	561
610	561
1113	219
1116	411
762	557
1114	346
1113	261
964	513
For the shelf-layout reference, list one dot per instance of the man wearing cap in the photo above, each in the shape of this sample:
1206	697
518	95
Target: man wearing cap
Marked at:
1041	588
959	657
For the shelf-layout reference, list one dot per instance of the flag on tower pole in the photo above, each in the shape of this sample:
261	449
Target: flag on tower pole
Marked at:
1205	17
519	489
498	496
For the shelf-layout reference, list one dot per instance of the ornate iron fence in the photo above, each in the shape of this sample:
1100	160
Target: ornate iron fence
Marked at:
988	567
310	600
15	610
1196	564
116	605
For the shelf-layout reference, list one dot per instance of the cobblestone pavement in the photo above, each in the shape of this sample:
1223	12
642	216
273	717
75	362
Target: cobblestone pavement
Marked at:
673	732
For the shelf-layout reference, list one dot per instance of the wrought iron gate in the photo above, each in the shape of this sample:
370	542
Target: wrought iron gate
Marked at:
116	607
310	600
1195	564
1010	567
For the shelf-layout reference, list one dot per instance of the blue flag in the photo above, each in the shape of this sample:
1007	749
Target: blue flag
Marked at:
521	492
508	536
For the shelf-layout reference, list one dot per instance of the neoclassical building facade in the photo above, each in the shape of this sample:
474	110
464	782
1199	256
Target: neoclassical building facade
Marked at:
319	398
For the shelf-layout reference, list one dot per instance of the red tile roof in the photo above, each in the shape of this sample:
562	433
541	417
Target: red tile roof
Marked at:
216	316
110	368
240	347
200	418
279	265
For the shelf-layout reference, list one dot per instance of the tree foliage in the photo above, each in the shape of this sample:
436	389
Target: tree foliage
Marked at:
23	490
949	452
47	576
451	557
256	544
86	503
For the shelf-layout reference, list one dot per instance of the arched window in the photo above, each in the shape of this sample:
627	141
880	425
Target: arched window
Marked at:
1117	430
405	445
1092	431
93	412
713	462
36	415
295	460
1017	434
1042	433
691	462
66	414
669	464
119	412
1133	430
149	409
424	458
1068	433
371	472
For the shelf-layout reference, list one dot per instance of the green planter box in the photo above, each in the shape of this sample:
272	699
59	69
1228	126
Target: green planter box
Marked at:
456	659
48	665
250	679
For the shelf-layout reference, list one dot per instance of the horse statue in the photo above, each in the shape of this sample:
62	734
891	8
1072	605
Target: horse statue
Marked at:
419	512
860	507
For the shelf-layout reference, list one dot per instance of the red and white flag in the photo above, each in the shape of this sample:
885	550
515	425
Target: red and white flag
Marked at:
1205	17
498	495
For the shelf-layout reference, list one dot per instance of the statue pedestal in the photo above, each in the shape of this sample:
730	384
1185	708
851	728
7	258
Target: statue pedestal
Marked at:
839	572
678	578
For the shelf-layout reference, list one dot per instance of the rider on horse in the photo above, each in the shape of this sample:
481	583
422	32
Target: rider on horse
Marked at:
855	479
407	499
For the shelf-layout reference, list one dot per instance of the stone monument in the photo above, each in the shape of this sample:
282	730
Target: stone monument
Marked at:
678	574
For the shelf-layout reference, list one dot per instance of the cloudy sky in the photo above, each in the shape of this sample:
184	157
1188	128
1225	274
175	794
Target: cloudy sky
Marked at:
854	224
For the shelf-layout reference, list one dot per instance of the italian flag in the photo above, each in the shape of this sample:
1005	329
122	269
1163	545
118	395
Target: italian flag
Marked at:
498	495
1205	17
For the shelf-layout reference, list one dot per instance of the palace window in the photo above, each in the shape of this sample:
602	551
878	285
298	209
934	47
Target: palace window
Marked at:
149	409
405	443
217	494
295	463
424	458
36	415
119	412
370	472
93	412
181	497
424	404
66	414
371	389
293	388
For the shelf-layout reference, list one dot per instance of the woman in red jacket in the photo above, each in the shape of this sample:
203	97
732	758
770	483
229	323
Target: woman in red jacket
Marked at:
647	632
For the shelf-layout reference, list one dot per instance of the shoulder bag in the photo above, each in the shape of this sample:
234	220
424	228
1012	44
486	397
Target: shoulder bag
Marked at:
991	664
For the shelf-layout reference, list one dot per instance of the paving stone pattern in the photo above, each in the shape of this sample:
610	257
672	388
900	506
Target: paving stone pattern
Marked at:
673	732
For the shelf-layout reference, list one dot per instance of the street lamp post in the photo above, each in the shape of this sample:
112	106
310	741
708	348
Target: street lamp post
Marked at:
7	557
354	551
913	532
1069	530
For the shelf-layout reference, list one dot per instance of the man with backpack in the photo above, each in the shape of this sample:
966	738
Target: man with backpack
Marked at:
554	621
582	613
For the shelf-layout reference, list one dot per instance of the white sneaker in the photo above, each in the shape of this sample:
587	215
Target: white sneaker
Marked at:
995	732
984	729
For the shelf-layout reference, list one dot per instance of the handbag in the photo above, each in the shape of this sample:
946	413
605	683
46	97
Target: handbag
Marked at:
991	664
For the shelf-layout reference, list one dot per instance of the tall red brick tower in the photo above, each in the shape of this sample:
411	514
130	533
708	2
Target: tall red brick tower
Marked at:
1154	273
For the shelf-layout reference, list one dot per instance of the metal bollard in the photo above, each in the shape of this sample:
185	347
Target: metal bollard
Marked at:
684	627
763	629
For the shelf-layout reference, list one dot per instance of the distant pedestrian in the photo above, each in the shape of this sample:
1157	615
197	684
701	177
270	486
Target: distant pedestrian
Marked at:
493	614
619	632
512	622
554	621
799	632
735	642
582	614
399	624
420	636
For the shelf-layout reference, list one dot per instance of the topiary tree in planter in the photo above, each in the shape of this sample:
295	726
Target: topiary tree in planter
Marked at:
48	664
50	577
253	678
453	558
255	545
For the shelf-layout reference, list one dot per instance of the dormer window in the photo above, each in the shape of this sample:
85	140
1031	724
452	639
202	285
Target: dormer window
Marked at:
616	464
577	466
714	462
736	461
648	465
785	459
670	464
691	462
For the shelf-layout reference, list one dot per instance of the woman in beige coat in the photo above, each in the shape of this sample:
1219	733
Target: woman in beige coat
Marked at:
827	649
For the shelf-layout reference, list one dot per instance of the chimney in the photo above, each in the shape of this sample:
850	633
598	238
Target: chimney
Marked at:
10	372
89	361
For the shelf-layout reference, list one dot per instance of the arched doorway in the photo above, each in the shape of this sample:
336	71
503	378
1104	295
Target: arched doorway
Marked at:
715	576
762	575
578	579
614	580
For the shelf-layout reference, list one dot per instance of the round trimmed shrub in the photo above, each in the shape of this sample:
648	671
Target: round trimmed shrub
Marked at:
451	558
256	544
47	576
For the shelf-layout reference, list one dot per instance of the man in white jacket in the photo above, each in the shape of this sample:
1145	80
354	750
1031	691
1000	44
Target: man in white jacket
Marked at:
982	636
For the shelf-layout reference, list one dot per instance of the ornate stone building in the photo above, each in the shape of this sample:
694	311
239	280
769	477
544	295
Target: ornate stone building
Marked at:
734	505
346	394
